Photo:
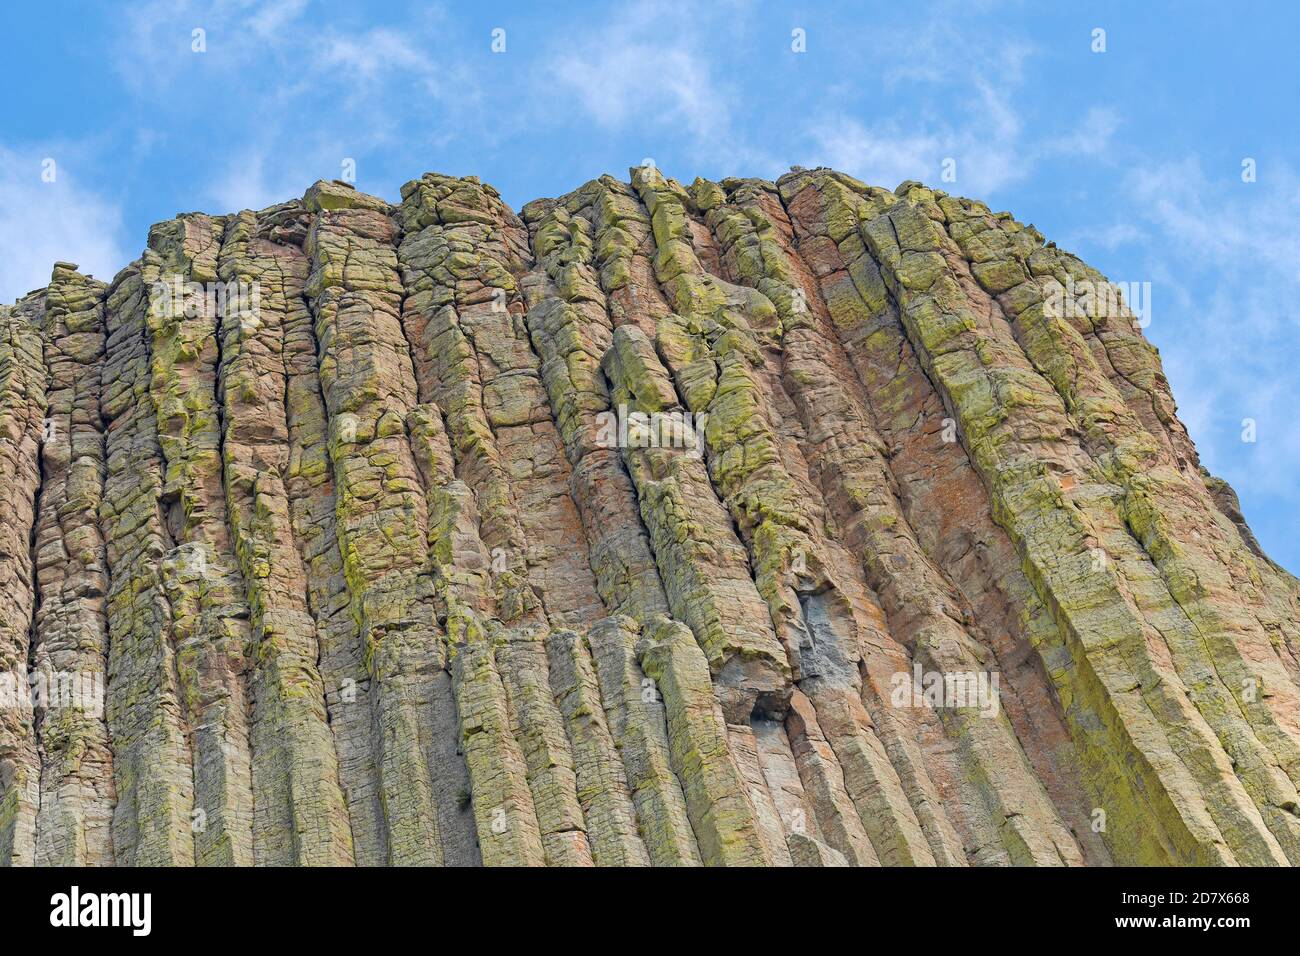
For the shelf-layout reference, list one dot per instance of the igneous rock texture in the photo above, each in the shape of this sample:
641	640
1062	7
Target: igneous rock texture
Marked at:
737	523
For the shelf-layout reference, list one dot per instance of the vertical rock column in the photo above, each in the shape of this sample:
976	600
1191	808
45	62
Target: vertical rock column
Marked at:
704	568
1139	504
464	252
71	653
839	619
729	831
636	719
206	591
470	505
942	503
571	330
453	262
461	252
720	347
309	482
1229	614
22	413
602	786
300	816
147	721
713	346
738	666
369	390
460	566
666	460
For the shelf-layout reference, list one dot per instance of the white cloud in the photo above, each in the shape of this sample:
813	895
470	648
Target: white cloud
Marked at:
260	174
1227	315
620	80
243	184
987	145
632	74
988	139
44	222
1109	237
884	154
374	56
311	92
1245	223
271	19
1092	138
155	40
987	154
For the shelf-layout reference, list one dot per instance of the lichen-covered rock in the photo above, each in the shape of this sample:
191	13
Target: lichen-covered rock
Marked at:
154	822
299	810
22	414
70	627
803	523
209	610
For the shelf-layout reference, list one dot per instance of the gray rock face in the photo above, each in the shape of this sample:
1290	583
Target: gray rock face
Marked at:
745	523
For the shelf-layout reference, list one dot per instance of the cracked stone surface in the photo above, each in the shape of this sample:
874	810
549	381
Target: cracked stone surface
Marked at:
781	523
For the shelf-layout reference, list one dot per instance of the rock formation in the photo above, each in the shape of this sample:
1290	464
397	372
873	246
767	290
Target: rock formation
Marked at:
738	523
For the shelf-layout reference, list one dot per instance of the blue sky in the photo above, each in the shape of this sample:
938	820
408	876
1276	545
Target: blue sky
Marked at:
1131	158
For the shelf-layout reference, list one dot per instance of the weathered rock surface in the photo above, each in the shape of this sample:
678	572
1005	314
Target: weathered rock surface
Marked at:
738	523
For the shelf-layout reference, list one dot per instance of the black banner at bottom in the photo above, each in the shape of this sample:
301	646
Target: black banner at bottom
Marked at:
623	908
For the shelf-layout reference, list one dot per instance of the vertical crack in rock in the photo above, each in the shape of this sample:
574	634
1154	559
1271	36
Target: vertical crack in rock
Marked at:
654	525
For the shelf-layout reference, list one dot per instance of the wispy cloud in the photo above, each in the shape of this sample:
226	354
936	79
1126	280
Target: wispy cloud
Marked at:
1092	138
984	156
371	55
1108	237
985	133
1222	256
620	79
981	137
631	74
243	183
883	154
42	222
272	19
